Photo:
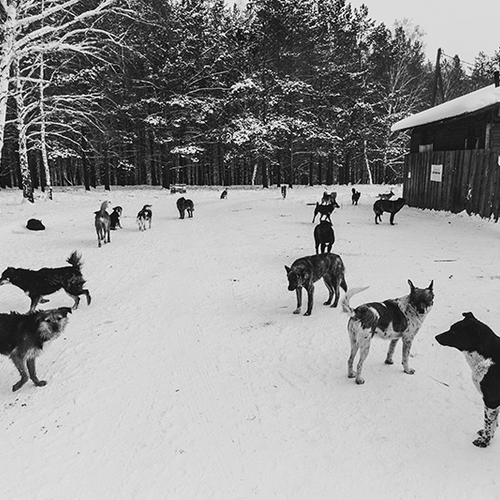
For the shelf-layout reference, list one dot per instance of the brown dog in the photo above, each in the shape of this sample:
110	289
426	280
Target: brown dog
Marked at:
22	337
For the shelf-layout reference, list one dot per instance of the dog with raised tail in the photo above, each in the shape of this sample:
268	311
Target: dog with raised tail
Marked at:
22	337
392	319
103	224
481	348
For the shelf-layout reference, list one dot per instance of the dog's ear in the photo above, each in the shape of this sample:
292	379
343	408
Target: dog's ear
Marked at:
412	286
287	269
431	286
468	315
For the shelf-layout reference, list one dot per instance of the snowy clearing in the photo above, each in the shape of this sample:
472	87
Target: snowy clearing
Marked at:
189	377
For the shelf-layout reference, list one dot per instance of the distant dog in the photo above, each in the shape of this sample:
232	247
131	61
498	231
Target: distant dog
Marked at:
329	198
223	195
392	319
283	191
103	224
393	207
307	270
324	237
35	225
386	196
114	218
144	217
184	205
482	351
22	337
45	281
355	196
325	210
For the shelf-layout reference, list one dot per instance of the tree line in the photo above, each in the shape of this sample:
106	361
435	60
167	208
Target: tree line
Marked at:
155	92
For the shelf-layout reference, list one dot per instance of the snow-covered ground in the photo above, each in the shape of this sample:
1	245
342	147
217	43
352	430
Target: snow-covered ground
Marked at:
189	377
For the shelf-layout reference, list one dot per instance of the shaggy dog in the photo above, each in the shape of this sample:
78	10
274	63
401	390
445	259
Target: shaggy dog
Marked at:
324	237
393	207
144	216
103	224
391	319
22	337
114	218
49	280
481	348
307	270
184	205
355	196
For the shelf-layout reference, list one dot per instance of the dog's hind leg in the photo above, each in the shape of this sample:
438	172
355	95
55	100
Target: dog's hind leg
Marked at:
364	350
490	425
32	371
21	367
298	293
406	356
390	352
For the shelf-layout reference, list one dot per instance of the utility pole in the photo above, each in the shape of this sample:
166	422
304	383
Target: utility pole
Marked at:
438	80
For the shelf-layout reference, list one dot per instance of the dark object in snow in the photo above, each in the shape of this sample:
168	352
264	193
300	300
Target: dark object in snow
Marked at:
114	217
283	191
481	348
392	207
22	337
103	224
324	237
184	205
144	215
325	210
307	270
35	225
48	280
223	195
355	196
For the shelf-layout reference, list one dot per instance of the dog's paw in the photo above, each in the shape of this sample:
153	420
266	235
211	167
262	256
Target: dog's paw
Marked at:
360	380
410	371
297	311
327	303
307	313
389	362
481	442
18	385
40	383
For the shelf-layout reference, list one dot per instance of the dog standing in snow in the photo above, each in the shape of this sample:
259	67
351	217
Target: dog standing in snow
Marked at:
103	224
144	216
481	348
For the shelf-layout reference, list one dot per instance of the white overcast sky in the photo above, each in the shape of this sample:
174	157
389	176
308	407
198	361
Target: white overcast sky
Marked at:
457	27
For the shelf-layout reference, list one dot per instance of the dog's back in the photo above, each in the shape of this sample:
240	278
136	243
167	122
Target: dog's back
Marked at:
315	267
324	236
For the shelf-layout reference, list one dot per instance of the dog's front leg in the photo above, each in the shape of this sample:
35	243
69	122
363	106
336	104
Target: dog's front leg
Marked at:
310	299
490	425
21	367
406	356
298	293
390	352
391	220
32	371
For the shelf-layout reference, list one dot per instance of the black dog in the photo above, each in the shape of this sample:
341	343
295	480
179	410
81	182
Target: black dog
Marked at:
325	210
355	196
184	205
393	207
482	351
114	218
307	270
144	216
283	192
324	236
47	280
392	319
223	195
22	337
35	225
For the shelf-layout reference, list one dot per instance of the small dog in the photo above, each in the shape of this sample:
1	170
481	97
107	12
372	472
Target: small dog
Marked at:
184	205
393	207
103	224
22	337
307	270
47	280
325	210
392	319
386	196
283	191
329	198
223	195
35	225
114	218
324	237
355	196
144	216
482	351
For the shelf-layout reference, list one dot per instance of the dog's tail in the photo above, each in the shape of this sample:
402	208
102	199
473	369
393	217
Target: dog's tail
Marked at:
75	259
347	297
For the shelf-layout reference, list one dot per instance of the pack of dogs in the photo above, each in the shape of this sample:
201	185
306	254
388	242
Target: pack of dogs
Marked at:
22	336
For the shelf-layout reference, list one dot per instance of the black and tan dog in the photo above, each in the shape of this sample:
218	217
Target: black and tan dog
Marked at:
393	207
391	319
355	196
45	281
114	218
481	348
22	337
325	211
185	205
324	237
307	270
144	217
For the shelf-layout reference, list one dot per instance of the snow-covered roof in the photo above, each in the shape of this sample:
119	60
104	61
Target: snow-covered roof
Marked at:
469	103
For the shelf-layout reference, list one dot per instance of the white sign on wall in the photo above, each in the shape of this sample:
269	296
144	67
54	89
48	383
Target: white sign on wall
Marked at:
437	173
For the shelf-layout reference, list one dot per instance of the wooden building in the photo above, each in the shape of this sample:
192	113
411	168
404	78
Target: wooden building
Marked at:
454	159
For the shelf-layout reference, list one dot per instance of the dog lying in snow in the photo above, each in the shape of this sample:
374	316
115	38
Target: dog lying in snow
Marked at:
481	348
391	319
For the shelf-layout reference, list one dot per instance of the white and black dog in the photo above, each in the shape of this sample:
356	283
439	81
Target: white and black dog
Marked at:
144	216
391	319
482	351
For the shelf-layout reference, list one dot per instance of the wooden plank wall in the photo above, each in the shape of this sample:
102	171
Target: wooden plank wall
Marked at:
470	181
